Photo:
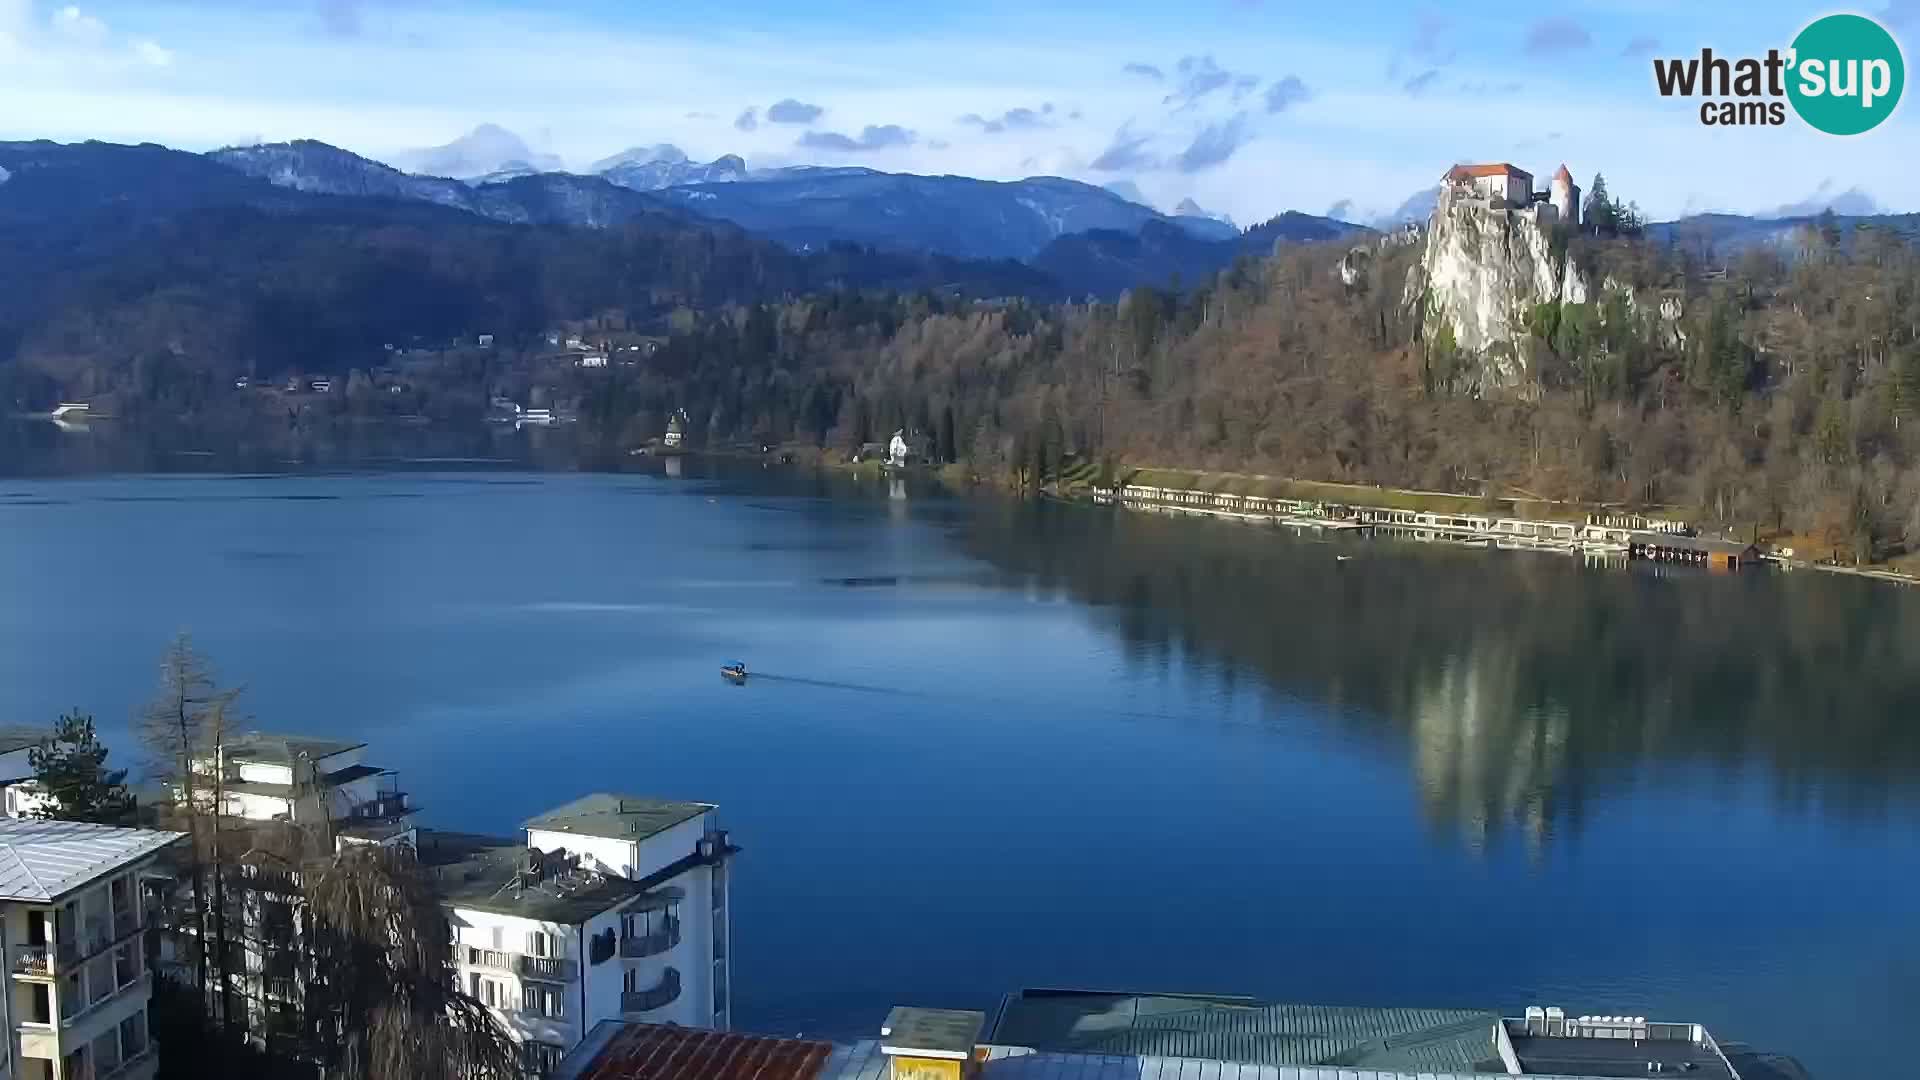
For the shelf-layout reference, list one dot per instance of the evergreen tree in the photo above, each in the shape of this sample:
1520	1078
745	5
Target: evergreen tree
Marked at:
1829	228
70	767
1600	215
947	451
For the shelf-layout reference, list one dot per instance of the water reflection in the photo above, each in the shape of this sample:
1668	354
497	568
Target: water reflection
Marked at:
1518	683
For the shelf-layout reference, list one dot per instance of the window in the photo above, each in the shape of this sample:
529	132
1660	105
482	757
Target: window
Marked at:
540	1059
542	999
133	1036
538	943
490	992
499	942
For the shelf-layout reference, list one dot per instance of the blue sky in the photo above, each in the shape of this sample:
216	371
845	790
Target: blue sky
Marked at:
1247	106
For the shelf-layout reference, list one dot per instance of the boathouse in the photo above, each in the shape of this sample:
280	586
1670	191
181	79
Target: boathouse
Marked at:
1714	554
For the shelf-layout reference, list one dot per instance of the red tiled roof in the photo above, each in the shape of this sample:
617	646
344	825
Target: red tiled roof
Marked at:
1501	168
1563	174
666	1052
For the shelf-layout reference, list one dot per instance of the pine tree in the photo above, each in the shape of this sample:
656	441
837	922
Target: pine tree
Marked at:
1600	216
70	768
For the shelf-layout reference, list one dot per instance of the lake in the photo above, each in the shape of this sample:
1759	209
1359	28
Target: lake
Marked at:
1001	744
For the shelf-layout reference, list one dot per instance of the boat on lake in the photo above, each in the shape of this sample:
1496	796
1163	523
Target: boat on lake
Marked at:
736	671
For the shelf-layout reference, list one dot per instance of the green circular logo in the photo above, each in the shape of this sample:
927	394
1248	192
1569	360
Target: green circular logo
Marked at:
1846	74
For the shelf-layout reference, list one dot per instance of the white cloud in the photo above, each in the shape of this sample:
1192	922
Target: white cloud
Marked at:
72	23
153	54
71	46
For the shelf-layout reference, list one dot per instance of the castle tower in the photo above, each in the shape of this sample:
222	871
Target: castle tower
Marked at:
1566	197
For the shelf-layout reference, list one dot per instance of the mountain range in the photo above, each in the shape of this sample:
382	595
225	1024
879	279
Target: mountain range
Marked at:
1082	239
809	208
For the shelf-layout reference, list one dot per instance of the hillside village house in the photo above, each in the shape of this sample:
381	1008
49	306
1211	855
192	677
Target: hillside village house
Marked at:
77	987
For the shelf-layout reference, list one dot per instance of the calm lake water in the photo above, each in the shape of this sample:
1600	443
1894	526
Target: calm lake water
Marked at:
1002	744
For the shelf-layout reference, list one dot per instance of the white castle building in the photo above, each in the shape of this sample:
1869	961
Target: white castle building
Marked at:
1509	188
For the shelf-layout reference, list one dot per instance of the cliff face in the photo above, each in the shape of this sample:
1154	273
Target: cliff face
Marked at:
1479	277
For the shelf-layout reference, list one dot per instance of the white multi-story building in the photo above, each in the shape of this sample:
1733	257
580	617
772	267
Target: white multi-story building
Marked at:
264	777
612	908
304	780
72	922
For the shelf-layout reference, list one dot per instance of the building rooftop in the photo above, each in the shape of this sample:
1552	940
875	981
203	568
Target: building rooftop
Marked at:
44	860
620	1050
16	740
1549	1055
1248	1031
618	817
1676	542
948	1033
1498	168
489	873
20	737
616	1051
269	748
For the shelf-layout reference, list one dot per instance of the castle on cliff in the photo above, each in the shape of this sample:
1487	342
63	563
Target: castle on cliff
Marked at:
1505	187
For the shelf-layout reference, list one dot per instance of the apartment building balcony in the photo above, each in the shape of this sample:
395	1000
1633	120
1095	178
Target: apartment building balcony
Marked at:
46	960
659	996
546	968
666	937
388	804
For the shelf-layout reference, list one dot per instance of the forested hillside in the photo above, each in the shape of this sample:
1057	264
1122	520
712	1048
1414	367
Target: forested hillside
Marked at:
1788	400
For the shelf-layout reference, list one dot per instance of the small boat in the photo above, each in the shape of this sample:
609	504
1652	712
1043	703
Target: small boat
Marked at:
735	671
1342	558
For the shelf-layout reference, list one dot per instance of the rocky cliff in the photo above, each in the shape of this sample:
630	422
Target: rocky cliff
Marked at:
1482	272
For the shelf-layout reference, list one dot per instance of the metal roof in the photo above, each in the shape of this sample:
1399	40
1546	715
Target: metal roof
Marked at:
44	860
1243	1030
14	737
950	1033
618	817
621	1050
269	748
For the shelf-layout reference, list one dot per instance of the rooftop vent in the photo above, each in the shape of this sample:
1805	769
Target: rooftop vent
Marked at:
930	1044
